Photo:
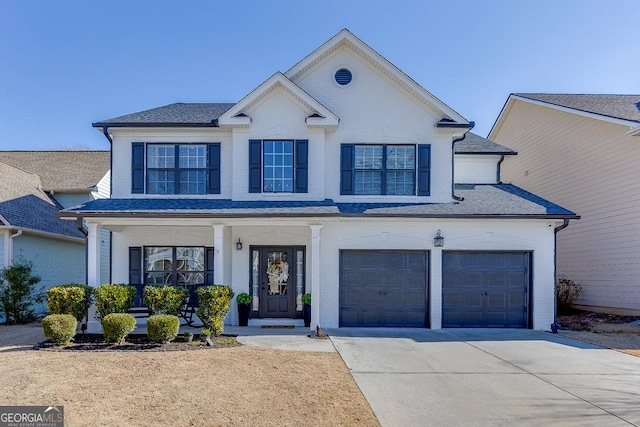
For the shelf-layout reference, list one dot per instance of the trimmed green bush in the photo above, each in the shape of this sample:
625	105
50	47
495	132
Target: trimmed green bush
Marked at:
61	328
111	298
306	299
213	306
71	298
163	328
165	299
18	291
116	327
243	298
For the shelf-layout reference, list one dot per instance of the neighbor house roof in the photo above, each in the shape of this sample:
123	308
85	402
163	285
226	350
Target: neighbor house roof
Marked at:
62	170
624	107
487	200
178	114
24	204
475	144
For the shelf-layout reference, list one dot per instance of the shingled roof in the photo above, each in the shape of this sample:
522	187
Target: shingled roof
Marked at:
24	204
625	107
178	114
475	144
61	170
488	200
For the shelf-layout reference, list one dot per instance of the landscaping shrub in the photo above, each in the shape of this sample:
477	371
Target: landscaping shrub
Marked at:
112	298
116	327
18	291
213	306
70	299
163	328
61	328
165	299
567	292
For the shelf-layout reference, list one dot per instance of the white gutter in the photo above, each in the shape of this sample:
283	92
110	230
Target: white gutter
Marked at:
9	256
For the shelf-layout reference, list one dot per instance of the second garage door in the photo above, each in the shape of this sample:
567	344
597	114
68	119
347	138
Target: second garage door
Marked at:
485	289
383	288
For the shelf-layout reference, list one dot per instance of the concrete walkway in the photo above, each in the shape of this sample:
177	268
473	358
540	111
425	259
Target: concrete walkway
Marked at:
421	377
280	338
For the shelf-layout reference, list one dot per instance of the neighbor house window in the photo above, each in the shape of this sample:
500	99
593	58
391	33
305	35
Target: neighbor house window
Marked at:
175	168
182	265
376	169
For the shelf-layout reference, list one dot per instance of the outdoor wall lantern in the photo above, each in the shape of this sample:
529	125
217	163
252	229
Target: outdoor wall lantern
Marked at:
438	241
239	244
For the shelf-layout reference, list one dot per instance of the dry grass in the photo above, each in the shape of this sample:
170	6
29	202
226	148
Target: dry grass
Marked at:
209	387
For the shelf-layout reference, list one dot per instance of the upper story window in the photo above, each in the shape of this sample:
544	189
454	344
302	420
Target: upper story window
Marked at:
175	168
398	170
278	166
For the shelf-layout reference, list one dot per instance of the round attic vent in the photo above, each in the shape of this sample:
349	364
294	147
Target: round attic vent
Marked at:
343	77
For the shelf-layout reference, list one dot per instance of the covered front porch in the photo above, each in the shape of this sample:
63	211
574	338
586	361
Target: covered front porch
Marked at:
274	260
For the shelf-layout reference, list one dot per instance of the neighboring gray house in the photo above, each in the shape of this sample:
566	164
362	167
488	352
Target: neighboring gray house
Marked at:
583	152
34	187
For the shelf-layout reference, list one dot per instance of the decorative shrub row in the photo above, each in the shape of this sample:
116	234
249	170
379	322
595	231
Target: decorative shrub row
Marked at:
116	327
61	328
213	306
163	328
113	298
71	298
165	299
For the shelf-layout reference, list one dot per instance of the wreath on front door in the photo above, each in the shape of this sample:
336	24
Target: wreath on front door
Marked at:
278	272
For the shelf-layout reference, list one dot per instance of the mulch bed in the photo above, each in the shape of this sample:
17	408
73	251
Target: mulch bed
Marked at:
137	342
578	320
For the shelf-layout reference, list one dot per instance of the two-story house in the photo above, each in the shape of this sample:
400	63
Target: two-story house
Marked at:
34	187
335	178
583	150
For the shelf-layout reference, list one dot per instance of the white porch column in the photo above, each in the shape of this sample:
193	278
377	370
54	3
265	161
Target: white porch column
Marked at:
315	275
93	254
435	286
218	258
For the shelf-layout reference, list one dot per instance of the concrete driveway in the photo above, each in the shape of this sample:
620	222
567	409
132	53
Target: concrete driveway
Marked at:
418	377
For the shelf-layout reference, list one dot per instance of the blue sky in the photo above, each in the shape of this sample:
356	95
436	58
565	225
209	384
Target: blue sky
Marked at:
66	64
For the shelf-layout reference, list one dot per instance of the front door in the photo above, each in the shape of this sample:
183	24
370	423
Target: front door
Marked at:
277	278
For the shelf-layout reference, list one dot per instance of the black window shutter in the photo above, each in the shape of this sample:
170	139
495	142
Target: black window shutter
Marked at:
213	164
424	169
137	167
255	166
135	273
301	166
209	264
347	153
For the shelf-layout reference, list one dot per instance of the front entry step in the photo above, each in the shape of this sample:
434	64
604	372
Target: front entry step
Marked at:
276	322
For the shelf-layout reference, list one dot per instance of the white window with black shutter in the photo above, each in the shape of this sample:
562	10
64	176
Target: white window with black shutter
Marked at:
278	166
163	168
378	169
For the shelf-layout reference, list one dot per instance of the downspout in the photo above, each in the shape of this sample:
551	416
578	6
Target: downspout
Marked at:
80	227
11	237
565	224
105	131
453	156
498	180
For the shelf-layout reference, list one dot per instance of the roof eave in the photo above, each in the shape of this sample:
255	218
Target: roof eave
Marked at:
213	124
489	153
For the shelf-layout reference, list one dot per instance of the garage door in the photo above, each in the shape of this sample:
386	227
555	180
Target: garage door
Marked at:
383	288
485	289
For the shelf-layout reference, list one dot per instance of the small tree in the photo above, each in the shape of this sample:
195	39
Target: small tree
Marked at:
213	306
567	292
18	291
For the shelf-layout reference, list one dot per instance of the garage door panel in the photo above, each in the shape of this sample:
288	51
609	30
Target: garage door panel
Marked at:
485	289
383	288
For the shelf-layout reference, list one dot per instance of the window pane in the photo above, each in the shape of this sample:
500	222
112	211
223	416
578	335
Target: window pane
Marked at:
160	156
190	278
189	259
400	183
368	156
368	182
278	166
192	182
192	156
401	157
161	182
158	279
158	259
